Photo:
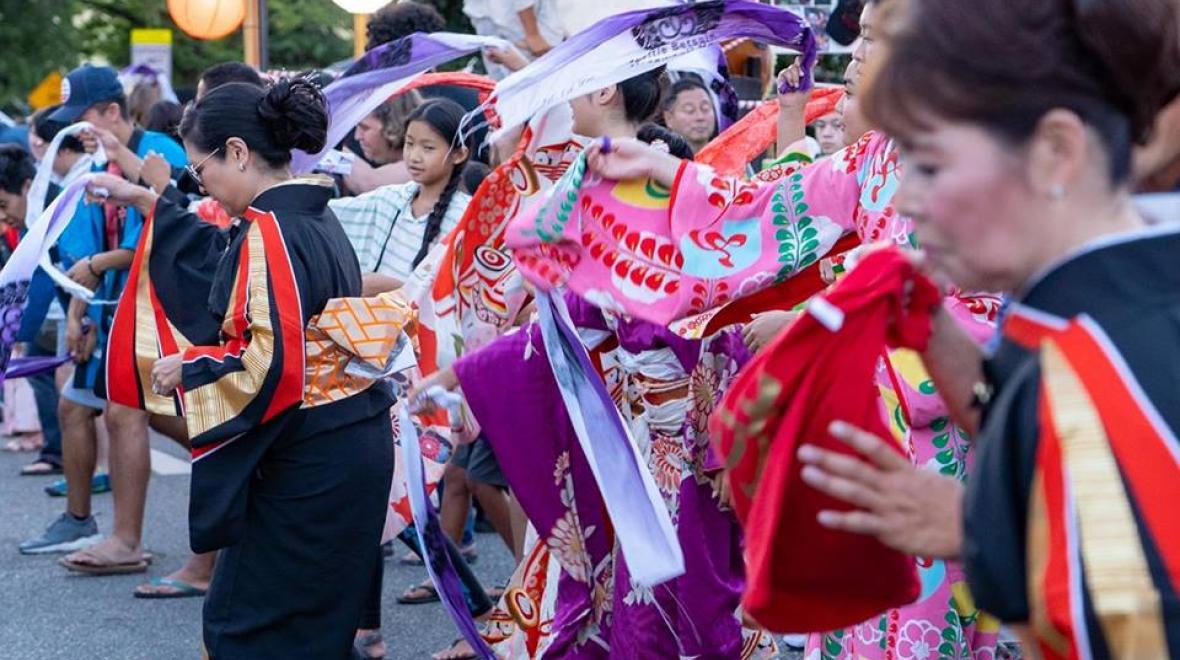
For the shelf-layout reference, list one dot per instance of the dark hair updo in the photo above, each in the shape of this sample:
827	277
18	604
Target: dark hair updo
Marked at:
1004	64
290	114
641	95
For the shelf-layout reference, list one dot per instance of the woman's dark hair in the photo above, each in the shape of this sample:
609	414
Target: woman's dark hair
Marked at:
445	117
164	117
290	114
401	19
47	129
684	84
1115	63
16	168
230	72
641	95
474	172
677	145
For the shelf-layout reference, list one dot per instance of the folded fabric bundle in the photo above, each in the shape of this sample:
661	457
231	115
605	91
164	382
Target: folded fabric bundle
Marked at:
803	577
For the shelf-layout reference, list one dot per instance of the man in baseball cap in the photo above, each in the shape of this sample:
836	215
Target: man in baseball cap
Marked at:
84	88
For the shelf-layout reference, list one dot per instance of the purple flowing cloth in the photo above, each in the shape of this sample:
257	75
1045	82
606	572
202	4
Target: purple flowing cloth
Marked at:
625	45
379	74
23	367
19	269
432	541
530	434
597	613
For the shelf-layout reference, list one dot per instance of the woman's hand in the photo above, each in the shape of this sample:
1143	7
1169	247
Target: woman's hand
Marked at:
110	188
790	79
509	58
420	403
166	374
764	327
631	159
156	172
906	508
720	485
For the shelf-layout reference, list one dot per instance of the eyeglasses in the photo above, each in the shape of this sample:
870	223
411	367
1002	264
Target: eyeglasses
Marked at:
195	170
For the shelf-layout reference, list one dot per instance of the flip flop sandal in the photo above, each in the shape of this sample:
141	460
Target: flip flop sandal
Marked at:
360	647
410	559
430	597
104	564
40	469
450	653
183	590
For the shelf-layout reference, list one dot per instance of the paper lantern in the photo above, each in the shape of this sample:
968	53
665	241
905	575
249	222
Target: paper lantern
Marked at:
361	6
208	19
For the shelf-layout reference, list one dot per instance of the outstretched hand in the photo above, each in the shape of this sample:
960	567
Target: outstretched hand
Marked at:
906	508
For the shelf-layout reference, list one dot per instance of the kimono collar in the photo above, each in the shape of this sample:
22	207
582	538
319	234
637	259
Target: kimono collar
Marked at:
309	194
1122	270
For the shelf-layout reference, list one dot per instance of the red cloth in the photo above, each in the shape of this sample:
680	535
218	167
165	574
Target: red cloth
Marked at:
730	152
802	577
823	102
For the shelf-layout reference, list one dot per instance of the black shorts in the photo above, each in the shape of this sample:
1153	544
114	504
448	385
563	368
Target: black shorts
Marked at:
480	463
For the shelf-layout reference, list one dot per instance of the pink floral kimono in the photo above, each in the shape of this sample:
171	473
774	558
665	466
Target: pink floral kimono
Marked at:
726	238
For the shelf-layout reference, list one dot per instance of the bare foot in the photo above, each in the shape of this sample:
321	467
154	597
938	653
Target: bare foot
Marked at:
460	650
111	549
370	643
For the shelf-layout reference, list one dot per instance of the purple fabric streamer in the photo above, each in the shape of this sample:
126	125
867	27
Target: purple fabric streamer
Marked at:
23	367
379	74
432	541
18	270
625	45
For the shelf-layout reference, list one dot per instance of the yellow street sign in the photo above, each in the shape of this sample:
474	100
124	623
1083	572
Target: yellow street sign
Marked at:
47	92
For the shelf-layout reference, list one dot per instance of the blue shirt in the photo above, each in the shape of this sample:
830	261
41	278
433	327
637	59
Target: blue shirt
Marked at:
85	237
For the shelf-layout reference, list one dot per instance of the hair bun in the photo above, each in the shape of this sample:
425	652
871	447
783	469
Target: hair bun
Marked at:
296	114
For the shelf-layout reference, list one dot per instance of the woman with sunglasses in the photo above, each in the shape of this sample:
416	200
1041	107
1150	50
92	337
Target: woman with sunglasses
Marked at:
283	439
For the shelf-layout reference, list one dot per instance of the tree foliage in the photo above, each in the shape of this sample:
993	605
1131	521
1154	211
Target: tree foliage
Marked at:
46	35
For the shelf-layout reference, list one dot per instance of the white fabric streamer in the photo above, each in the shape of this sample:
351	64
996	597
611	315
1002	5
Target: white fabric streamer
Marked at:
40	186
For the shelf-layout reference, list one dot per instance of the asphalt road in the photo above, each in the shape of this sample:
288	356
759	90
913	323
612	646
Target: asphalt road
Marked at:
48	614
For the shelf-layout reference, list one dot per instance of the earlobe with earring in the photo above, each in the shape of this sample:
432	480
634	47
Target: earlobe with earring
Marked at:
241	167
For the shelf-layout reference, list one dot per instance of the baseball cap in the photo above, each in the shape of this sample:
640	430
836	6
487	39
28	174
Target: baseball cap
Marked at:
84	87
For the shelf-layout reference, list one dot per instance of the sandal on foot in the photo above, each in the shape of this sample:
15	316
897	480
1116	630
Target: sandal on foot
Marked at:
181	589
97	562
453	652
362	645
410	559
419	594
40	468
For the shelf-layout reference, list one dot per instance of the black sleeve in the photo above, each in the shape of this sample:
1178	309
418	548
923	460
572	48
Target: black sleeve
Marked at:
996	506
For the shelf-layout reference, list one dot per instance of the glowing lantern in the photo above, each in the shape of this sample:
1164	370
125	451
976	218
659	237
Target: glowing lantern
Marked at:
361	6
207	19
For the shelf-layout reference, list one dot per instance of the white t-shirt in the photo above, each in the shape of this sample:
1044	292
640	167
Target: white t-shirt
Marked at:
383	230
